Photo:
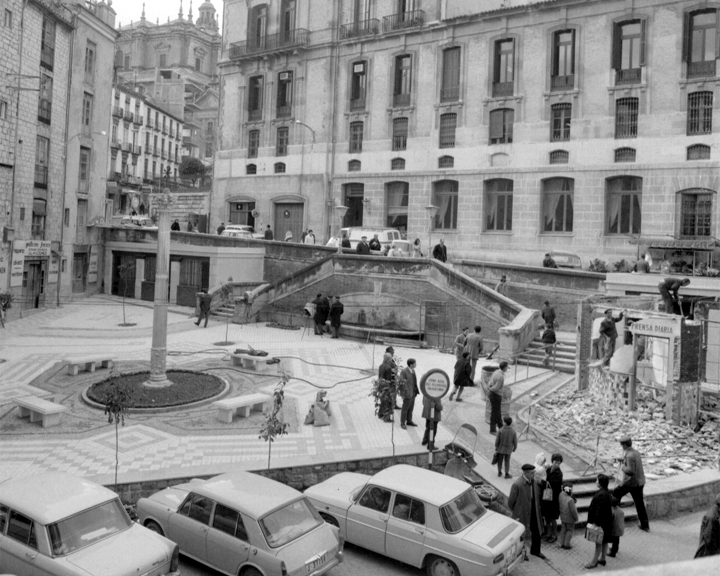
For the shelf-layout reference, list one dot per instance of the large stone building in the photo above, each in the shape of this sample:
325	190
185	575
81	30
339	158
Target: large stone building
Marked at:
54	122
582	125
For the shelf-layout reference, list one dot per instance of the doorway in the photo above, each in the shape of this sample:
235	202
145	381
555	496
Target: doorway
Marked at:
289	217
354	195
78	281
33	285
242	213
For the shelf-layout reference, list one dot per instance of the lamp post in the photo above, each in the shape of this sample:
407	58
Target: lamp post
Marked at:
341	211
431	210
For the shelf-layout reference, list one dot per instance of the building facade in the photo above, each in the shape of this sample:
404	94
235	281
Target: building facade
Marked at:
509	132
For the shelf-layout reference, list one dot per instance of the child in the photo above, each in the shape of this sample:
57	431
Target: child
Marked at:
568	515
618	527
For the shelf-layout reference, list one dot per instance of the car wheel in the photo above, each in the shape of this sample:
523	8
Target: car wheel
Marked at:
251	571
330	519
155	527
437	566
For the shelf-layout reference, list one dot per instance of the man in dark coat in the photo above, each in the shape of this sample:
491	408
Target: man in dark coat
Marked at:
710	532
609	334
269	233
440	251
345	242
633	481
669	289
431	422
319	316
642	266
375	243
524	503
387	371
175	226
548	339
205	304
336	310
549	262
221	228
461	378
474	345
408	390
363	247
548	313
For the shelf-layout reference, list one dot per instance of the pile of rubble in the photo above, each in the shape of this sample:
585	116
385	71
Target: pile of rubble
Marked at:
576	418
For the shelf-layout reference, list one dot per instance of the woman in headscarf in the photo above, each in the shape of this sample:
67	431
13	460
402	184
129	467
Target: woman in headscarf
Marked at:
288	236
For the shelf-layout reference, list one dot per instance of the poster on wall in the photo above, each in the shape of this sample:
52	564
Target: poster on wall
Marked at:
93	266
53	269
4	269
18	263
37	248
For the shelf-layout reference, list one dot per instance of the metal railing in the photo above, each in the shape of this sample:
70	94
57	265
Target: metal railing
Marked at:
360	29
138	120
503	89
628	76
149	122
255	114
114	144
270	42
118	112
701	69
164	130
357	103
562	82
129	116
403	20
137	150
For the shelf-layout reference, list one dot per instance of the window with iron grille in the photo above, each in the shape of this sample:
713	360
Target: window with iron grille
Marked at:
397	164
45	99
281	145
628	56
626	118
698	152
498	204
625	155
559	157
563	62
84	171
561	119
279	167
42	161
446	162
251	169
396	203
403	76
501	126
354	166
400	134
448	125
504	68
700	108
358	86
253	143
696	208
445	197
255	97
450	87
47	44
356	137
700	43
557	205
284	95
624	199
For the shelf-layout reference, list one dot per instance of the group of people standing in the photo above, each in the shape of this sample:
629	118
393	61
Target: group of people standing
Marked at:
324	309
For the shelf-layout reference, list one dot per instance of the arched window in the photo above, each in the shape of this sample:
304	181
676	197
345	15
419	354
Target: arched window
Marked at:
557	205
698	152
354	166
279	167
397	164
251	169
445	197
498	204
396	205
624	205
559	157
625	155
446	162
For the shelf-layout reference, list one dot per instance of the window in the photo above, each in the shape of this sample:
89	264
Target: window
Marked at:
81	217
90	53
145	169
563	60
700	43
257	27
624	196
445	197
197	507
698	152
288	20
356	137
255	97
281	145
406	508
47	45
37	227
504	68
358	86
42	159
87	110
8	19
501	126
126	62
403	76
229	521
22	529
279	167
700	107
695	213
284	95
625	155
84	171
45	98
446	162
450	89
628	55
198	64
162	60
397	164
626	118
362	10
561	118
253	143
251	169
498	204
354	166
400	134
375	498
559	157
397	195
558	205
448	125
3	110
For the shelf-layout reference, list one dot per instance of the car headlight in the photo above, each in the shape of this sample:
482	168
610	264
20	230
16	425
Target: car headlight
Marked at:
498	558
175	561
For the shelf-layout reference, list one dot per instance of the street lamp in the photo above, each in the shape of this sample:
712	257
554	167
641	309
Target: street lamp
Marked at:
341	211
312	132
431	210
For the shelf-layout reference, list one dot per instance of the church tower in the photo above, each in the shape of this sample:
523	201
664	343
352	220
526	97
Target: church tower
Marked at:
207	16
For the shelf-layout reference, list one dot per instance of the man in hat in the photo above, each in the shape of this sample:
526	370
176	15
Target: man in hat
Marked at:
609	334
710	532
363	247
524	503
633	480
336	310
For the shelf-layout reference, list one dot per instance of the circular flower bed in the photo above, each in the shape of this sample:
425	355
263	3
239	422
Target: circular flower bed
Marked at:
187	387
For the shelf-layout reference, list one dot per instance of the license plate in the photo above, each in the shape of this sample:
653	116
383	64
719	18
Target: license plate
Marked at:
510	556
315	562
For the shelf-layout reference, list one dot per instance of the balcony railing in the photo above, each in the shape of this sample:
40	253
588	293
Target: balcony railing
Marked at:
451	94
47	57
114	177
115	144
118	112
283	112
628	76
563	82
164	130
37	232
357	103
401	99
500	89
255	114
404	20
127	147
270	43
360	29
41	176
137	150
129	116
149	122
701	69
138	120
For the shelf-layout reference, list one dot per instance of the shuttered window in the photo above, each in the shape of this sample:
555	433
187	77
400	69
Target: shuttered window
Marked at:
501	126
450	90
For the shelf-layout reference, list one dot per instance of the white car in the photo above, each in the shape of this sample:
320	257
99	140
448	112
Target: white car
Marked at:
386	236
235	233
243	228
57	524
422	518
246	524
144	222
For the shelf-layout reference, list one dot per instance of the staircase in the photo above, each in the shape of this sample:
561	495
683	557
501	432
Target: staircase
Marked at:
563	360
584	488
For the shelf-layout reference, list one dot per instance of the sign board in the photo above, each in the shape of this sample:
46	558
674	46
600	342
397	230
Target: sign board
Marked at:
4	269
435	383
657	327
37	248
53	269
18	263
93	266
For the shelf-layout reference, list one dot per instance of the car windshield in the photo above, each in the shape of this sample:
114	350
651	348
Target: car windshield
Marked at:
87	527
462	511
289	523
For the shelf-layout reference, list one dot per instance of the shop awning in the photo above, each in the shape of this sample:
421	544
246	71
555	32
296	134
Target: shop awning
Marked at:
672	244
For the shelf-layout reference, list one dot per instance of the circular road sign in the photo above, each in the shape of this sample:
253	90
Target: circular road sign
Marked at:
435	383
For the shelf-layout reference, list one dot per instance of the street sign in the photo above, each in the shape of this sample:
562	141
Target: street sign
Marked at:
435	383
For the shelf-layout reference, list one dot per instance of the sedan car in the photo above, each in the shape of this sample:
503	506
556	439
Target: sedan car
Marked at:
234	233
135	222
56	524
243	523
422	518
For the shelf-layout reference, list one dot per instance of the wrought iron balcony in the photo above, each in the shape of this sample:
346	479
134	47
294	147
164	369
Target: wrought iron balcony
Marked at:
360	29
280	42
283	111
129	116
164	130
401	99
628	76
138	120
559	83
149	122
118	112
155	151
127	147
255	114
114	144
701	69
500	89
404	20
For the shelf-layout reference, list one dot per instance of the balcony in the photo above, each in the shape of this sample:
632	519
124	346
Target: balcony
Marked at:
114	177
283	111
115	144
37	231
149	122
559	83
117	112
41	176
187	141
628	76
137	150
401	100
127	147
701	69
255	114
129	116
404	20
357	103
138	120
284	41
155	151
451	94
360	29
500	89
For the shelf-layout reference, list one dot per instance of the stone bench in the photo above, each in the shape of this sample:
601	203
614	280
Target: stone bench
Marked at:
251	362
88	364
242	404
40	410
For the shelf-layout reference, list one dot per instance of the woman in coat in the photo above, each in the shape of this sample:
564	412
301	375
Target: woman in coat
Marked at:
336	310
416	249
551	508
600	514
463	369
431	423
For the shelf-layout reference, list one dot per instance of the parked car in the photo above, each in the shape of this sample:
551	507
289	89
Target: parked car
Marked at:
385	235
422	518
56	524
236	233
244	523
135	222
565	259
245	228
404	246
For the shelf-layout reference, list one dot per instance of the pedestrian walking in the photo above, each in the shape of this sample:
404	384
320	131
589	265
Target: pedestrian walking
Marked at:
431	423
568	515
548	340
474	345
363	247
409	390
600	515
302	236
549	262
710	532
618	527
505	445
460	342
319	317
416	249
309	238
289	236
633	481
205	304
461	377
375	243
440	251
669	290
609	334
548	313
269	233
336	310
495	396
345	242
221	228
501	287
524	504
550	505
175	226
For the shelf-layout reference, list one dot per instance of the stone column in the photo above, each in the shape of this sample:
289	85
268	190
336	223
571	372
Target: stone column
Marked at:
158	354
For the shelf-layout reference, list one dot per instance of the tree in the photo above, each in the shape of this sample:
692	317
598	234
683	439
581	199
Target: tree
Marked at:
117	402
273	425
191	168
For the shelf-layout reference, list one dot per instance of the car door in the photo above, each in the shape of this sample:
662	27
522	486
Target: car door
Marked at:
189	526
18	547
405	535
367	519
227	540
